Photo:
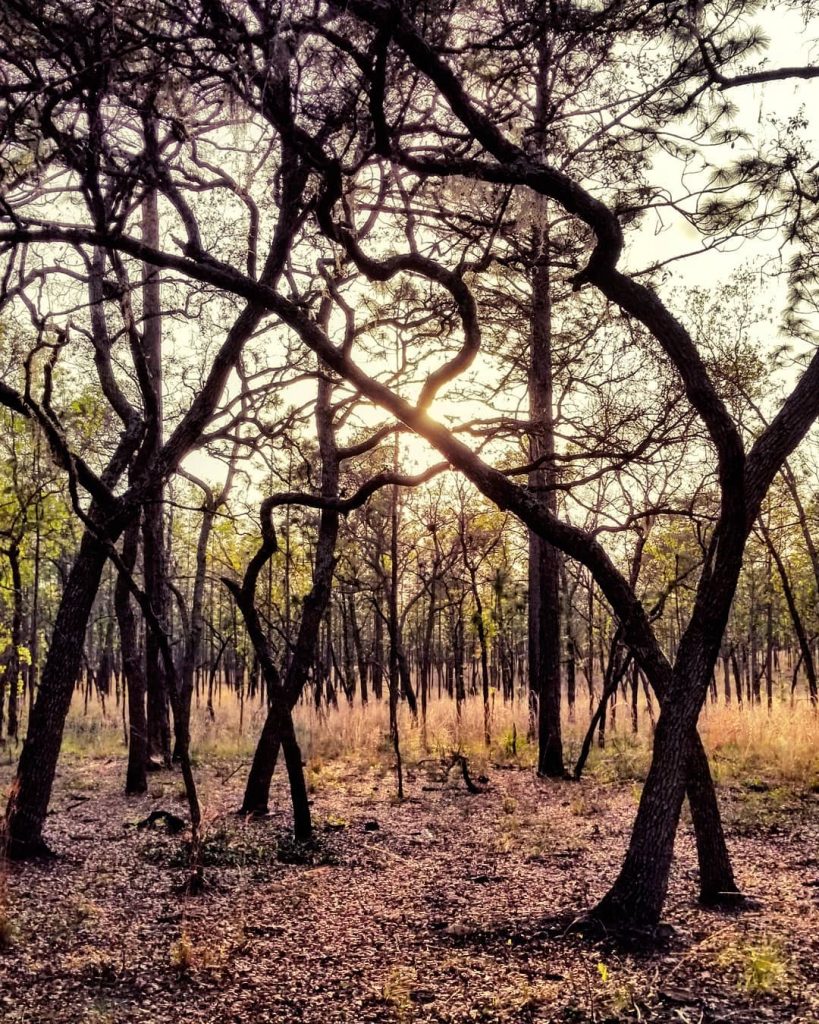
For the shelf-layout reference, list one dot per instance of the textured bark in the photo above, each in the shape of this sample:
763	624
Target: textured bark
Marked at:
136	780
636	899
679	764
717	883
638	893
31	790
278	730
544	558
153	538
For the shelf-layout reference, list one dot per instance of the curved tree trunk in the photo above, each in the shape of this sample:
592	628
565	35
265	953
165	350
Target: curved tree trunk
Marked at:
638	893
31	790
276	730
636	899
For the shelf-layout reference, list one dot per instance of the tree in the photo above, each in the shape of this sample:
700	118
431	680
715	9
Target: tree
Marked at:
367	67
52	111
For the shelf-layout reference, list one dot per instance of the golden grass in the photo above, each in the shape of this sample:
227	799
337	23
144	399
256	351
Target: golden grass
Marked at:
748	743
780	745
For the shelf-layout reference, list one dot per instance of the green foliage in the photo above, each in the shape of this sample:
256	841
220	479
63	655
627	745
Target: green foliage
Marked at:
617	995
759	967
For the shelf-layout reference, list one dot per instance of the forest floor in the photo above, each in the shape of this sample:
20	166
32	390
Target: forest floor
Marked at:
446	907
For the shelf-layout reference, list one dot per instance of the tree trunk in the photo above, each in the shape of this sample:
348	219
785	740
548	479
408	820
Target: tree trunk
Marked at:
393	678
638	894
135	779
153	540
361	657
378	648
12	672
257	790
544	558
31	791
278	731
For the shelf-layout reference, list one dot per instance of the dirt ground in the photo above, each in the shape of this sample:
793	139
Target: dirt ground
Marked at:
448	907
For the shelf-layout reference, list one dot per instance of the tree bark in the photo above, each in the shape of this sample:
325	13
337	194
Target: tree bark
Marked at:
11	676
544	558
153	539
136	780
31	791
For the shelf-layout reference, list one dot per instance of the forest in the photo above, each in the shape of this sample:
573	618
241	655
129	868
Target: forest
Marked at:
417	397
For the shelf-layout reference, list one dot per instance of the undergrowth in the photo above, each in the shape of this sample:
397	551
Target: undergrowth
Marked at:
758	967
777	748
228	846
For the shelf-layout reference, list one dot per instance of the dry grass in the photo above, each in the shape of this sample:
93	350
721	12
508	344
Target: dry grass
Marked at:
777	746
780	747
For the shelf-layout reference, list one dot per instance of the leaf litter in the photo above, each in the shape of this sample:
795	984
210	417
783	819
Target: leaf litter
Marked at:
448	907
